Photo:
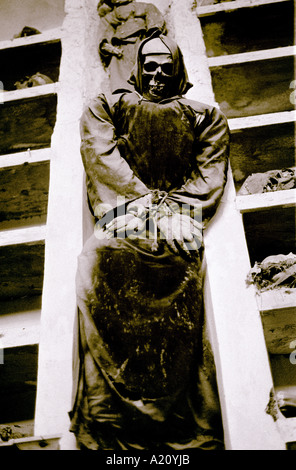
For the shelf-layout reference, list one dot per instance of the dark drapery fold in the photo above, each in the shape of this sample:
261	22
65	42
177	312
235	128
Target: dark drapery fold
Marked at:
146	375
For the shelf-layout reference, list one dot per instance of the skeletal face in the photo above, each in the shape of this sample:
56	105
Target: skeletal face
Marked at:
157	76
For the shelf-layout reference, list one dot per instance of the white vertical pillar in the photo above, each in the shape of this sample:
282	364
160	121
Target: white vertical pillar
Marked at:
243	371
64	236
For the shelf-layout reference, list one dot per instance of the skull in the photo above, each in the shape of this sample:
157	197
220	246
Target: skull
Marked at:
157	76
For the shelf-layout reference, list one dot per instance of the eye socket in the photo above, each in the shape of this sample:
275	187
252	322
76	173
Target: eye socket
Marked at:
150	66
167	68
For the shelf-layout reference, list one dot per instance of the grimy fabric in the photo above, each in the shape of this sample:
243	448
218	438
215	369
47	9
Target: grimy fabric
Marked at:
124	26
144	376
273	180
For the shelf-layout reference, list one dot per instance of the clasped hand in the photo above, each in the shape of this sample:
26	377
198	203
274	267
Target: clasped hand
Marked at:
180	231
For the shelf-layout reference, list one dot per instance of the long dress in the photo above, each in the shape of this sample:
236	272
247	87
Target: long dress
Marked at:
144	376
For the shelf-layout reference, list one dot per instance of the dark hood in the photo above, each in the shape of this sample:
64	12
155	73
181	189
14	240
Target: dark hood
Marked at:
180	84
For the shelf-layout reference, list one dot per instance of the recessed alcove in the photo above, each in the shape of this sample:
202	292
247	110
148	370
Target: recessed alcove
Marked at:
24	194
284	378
19	63
270	231
248	29
254	87
18	380
27	124
21	270
260	149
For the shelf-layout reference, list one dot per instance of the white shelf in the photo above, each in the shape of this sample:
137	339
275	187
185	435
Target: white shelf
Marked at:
47	36
50	442
22	235
20	322
261	120
30	156
19	329
207	10
245	57
34	92
277	299
254	202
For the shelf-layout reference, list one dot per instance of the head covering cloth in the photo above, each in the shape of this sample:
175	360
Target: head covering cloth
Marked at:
180	82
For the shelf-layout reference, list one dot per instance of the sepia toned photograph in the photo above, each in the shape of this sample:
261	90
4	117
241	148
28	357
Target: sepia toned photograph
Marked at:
147	228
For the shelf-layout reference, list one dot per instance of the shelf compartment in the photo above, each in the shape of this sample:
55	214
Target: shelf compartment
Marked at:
18	384
284	372
254	87
284	379
21	270
21	62
265	26
282	404
260	149
270	231
27	124
278	314
24	194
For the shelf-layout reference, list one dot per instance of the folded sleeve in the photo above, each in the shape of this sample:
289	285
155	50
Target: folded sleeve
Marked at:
205	186
108	175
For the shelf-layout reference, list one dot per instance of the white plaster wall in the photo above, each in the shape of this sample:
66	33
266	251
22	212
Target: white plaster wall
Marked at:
64	237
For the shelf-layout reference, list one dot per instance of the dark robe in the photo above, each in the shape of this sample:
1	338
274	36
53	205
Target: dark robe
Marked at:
145	377
124	27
